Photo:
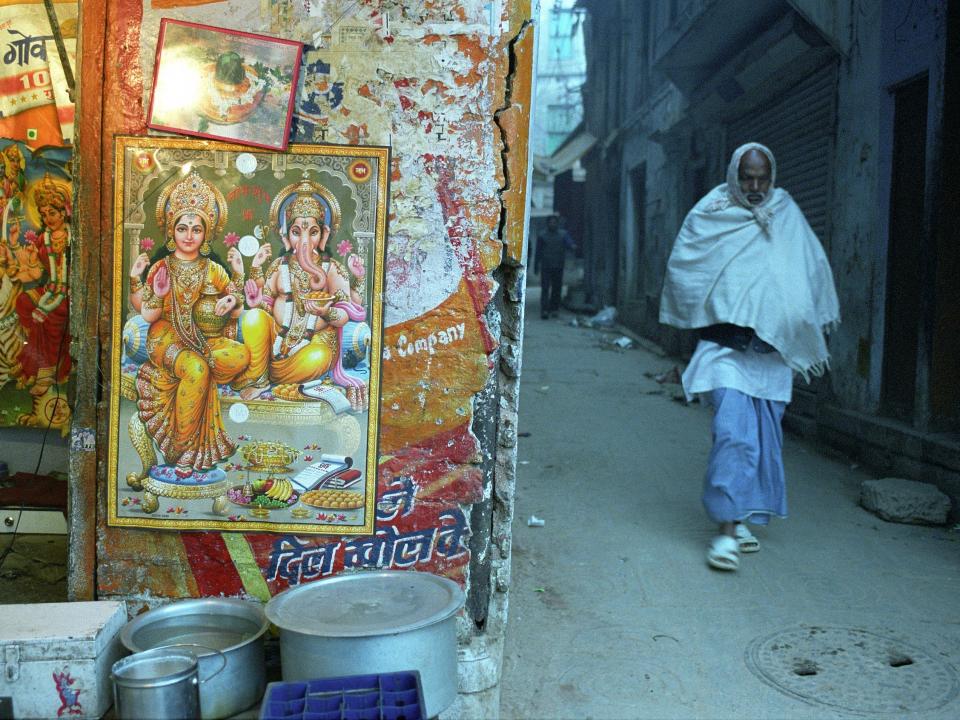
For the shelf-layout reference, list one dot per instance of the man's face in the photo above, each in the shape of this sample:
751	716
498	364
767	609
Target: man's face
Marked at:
754	176
552	223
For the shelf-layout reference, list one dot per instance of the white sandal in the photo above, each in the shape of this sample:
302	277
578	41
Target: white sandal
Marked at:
745	539
723	553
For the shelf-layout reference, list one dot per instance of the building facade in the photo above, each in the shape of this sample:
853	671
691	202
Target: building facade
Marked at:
856	100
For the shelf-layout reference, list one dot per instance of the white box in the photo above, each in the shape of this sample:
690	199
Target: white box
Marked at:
55	658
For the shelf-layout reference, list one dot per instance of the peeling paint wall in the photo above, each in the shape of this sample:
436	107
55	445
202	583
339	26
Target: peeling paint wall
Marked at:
447	85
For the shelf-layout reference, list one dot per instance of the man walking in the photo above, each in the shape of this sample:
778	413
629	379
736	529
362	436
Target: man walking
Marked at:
552	246
749	273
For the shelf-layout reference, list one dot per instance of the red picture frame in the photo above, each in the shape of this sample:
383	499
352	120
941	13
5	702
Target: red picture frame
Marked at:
224	84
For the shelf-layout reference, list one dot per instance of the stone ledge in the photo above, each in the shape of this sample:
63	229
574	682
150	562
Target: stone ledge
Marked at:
905	501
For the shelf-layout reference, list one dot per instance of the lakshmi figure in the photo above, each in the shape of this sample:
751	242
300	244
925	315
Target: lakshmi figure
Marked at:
188	299
301	304
43	310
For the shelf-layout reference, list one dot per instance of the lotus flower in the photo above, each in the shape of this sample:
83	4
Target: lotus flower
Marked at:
344	246
231	239
146	244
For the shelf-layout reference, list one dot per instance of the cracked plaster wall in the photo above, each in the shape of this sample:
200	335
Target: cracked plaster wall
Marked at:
447	85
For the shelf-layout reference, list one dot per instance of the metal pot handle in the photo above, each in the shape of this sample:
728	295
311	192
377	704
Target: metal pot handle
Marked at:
223	659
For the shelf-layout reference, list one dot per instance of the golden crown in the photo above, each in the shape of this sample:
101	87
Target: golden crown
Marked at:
49	192
305	205
192	195
287	202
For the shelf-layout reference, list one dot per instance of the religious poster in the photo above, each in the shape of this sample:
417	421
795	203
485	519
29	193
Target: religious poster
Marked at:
224	84
35	214
28	95
247	323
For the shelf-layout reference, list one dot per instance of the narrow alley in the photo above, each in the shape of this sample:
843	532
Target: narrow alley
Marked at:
614	612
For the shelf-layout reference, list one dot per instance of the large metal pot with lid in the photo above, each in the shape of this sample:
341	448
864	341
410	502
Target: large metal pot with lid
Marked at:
368	623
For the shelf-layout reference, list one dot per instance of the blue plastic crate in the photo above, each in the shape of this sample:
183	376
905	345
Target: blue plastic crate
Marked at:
390	696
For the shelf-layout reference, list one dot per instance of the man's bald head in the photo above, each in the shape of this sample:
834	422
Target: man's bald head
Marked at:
755	175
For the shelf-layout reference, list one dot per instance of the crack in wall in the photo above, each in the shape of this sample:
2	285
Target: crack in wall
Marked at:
507	104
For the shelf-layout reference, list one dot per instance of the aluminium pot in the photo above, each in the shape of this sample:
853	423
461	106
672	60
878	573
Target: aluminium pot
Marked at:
210	627
372	623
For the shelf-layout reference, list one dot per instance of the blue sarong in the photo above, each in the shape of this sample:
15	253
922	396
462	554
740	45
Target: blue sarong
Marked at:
745	480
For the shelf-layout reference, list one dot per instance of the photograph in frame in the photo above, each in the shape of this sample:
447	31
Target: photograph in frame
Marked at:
224	84
246	336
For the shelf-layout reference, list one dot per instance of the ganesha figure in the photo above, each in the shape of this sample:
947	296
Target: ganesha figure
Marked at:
301	303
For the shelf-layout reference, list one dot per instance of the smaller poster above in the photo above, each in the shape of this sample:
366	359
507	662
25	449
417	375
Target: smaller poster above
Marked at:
224	84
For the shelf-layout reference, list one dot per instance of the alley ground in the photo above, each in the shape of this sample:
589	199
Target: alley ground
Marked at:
613	610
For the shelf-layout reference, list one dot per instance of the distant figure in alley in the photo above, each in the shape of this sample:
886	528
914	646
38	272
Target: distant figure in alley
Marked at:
748	272
548	262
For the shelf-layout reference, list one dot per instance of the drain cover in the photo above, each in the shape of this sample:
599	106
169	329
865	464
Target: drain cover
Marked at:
852	669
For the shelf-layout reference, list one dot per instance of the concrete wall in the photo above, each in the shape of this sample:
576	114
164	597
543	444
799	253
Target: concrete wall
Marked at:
448	85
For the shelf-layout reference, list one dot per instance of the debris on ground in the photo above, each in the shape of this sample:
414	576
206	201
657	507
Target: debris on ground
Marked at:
671	376
605	318
525	433
615	343
543	388
534	521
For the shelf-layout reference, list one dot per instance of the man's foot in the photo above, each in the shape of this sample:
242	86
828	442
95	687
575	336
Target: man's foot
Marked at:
554	313
543	316
745	539
723	553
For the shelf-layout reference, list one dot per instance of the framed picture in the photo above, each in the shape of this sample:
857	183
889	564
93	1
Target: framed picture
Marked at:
246	328
224	84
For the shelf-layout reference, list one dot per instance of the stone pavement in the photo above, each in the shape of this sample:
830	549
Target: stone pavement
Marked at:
614	612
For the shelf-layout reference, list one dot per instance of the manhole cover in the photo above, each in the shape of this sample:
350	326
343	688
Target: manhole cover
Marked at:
852	669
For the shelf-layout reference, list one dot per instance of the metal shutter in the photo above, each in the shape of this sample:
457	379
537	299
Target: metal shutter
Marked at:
798	127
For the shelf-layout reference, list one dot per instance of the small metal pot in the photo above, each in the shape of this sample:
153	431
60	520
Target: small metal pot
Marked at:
233	628
370	623
162	684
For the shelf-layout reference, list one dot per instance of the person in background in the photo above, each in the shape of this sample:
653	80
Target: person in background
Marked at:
548	262
750	274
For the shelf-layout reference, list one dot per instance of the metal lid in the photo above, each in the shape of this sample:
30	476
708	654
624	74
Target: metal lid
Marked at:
366	603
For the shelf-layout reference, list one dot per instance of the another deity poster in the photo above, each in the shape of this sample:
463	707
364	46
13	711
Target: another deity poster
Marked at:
35	212
224	84
247	324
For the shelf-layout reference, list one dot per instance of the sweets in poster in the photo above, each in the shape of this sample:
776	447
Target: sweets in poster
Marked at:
247	319
35	213
28	101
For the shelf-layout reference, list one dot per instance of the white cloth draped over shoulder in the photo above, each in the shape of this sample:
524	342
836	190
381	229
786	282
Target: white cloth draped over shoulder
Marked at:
755	266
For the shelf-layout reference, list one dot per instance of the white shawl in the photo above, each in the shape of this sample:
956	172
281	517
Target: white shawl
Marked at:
755	266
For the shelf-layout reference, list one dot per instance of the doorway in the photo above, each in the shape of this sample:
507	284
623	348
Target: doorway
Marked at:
907	244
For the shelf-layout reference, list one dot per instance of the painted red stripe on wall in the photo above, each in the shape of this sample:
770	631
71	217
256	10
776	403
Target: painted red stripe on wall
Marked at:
211	564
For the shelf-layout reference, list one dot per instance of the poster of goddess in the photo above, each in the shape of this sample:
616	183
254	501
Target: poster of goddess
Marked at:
247	327
36	207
